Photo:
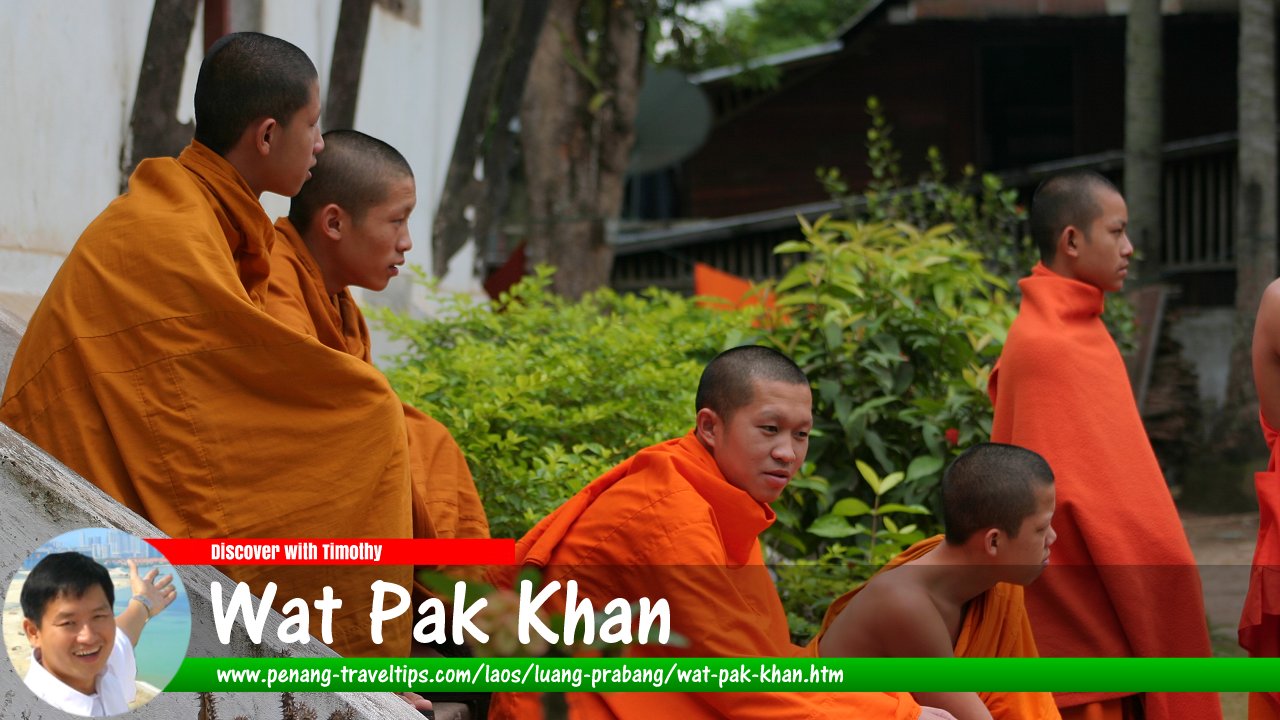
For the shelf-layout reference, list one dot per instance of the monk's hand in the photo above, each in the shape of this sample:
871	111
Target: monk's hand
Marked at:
418	702
158	594
929	713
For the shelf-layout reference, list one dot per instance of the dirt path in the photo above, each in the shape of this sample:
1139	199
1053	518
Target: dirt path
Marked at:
1223	546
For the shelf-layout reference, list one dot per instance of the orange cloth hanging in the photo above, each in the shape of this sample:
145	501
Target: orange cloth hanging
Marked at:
1122	581
1260	622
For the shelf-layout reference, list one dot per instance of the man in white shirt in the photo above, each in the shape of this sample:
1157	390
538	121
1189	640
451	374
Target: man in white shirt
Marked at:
79	662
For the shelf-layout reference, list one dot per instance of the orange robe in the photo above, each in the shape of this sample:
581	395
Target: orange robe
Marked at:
151	368
665	523
995	625
1122	581
1260	621
445	501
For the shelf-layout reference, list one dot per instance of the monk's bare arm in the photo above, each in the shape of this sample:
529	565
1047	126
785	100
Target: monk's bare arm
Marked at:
1266	354
892	620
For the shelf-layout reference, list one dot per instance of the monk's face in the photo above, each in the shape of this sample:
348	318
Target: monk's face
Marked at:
75	637
762	444
1027	554
1104	252
372	250
294	145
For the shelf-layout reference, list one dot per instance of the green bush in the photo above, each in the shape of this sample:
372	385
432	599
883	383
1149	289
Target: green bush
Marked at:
544	394
897	329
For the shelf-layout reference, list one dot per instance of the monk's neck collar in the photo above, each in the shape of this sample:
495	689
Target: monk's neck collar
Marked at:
216	170
1067	298
739	516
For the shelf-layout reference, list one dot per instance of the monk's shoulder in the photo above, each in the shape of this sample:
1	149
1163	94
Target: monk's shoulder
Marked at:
889	614
655	517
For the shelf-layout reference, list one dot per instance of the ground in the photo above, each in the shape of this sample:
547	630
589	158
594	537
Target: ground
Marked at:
1223	546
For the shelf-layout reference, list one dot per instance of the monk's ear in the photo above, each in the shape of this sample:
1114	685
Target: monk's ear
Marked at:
1069	241
264	132
992	542
707	427
331	221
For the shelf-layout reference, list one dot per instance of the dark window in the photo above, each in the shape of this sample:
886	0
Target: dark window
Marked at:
1027	98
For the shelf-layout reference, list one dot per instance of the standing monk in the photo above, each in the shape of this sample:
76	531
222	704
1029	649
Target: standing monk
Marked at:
151	368
1122	581
350	226
1260	622
681	521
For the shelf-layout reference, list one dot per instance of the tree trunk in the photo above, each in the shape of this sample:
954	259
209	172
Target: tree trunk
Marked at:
154	130
577	127
1144	131
1255	242
348	60
469	205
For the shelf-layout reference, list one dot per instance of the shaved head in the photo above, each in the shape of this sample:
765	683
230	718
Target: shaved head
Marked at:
1062	200
991	485
246	77
728	381
354	172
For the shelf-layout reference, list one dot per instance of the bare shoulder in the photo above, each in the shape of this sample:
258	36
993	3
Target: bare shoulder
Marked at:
893	616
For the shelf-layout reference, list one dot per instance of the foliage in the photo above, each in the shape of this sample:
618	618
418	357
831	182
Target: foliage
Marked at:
897	329
984	212
544	394
763	28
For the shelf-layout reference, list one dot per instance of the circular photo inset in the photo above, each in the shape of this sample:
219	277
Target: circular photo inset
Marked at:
96	622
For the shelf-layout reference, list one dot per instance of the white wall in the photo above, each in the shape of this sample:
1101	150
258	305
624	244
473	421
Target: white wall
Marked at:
70	71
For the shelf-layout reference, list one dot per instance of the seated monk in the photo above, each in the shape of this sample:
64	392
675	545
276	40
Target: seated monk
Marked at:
680	521
349	226
152	368
961	596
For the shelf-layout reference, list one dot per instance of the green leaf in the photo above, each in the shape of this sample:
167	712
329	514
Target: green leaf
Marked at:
900	508
923	466
889	482
869	475
850	507
831	526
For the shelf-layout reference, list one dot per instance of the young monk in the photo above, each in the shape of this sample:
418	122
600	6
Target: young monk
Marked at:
680	521
960	595
1123	582
1260	622
152	369
350	226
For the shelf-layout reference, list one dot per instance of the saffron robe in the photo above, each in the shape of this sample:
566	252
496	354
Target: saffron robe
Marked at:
995	625
151	368
1122	581
665	523
1259	631
445	501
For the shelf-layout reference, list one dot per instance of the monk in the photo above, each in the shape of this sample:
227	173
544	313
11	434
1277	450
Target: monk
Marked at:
1260	622
151	368
349	226
1122	582
960	595
680	520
